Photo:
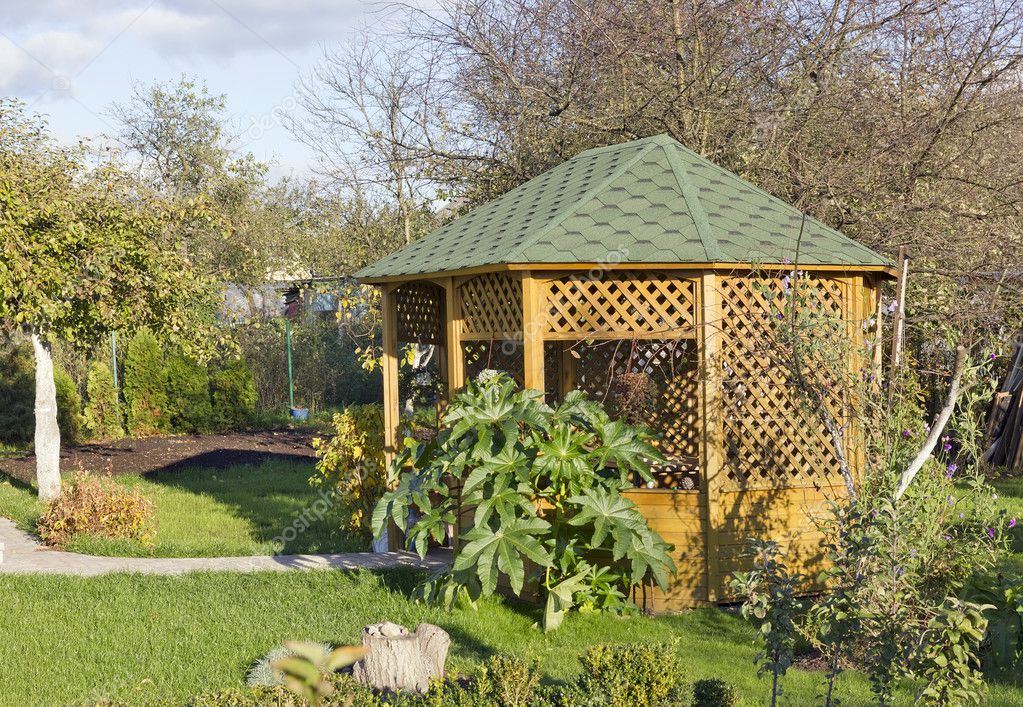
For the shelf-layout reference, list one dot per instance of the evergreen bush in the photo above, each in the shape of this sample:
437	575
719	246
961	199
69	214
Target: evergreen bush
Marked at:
69	407
145	385
102	409
17	395
234	395
18	398
189	407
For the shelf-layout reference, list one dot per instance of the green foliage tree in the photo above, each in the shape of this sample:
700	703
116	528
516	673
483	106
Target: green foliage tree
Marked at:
145	385
545	485
234	395
189	408
103	417
86	251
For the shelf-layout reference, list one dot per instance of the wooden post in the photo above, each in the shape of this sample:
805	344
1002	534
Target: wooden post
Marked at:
389	369
899	322
713	424
453	338
532	333
569	368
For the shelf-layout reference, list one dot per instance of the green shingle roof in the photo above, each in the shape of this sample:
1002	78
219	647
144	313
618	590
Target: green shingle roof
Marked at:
645	201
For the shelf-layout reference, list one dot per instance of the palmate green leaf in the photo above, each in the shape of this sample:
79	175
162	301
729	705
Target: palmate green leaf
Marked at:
489	552
504	499
580	409
610	514
630	451
433	523
560	599
564	459
510	462
650	554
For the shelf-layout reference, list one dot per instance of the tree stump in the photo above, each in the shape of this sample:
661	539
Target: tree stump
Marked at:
397	659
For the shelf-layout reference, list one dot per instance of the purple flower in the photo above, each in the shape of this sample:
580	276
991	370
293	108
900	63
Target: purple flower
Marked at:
947	446
892	307
781	316
912	552
950	501
951	470
991	533
787	261
907	434
899	571
1012	522
961	516
948	537
992	357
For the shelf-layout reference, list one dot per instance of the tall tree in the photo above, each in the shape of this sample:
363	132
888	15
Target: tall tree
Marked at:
893	120
86	252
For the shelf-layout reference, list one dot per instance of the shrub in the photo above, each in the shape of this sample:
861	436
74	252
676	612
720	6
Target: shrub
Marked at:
94	506
634	676
630	676
352	464
511	681
102	409
17	398
188	395
714	693
17	395
234	395
69	407
510	455
145	385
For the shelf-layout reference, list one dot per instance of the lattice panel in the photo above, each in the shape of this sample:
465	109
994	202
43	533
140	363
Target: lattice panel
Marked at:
772	438
420	308
674	368
619	303
491	307
493	355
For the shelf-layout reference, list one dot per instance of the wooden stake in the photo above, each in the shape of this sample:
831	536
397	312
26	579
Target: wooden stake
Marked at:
899	322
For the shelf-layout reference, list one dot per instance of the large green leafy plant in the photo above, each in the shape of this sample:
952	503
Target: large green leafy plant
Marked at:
542	485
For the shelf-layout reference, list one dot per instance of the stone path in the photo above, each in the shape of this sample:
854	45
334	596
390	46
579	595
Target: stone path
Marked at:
20	553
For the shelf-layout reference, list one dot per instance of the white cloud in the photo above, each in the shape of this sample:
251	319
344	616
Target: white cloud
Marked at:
44	61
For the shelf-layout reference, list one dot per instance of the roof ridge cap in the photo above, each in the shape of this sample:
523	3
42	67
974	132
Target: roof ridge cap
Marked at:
516	255
692	199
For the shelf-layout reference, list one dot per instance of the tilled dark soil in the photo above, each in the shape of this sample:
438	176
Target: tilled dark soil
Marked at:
149	454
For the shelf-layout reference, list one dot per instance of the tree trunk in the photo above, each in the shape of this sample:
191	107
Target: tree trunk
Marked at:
399	660
47	432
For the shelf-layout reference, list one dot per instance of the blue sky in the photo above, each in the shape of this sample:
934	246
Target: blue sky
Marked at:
70	59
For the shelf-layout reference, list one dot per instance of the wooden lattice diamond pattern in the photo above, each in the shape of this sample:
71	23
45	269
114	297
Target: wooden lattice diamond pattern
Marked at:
420	309
619	303
674	369
491	307
493	355
771	439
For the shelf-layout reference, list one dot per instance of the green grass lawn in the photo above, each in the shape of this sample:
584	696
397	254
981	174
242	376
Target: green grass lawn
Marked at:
139	638
210	512
1010	499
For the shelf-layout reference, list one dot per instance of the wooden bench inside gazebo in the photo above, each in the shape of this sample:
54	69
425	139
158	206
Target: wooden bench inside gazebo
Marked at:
645	257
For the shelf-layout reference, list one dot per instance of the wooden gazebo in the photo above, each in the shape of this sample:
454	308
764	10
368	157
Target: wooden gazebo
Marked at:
645	257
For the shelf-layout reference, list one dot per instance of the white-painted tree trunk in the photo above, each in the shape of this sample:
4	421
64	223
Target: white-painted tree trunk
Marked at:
47	432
